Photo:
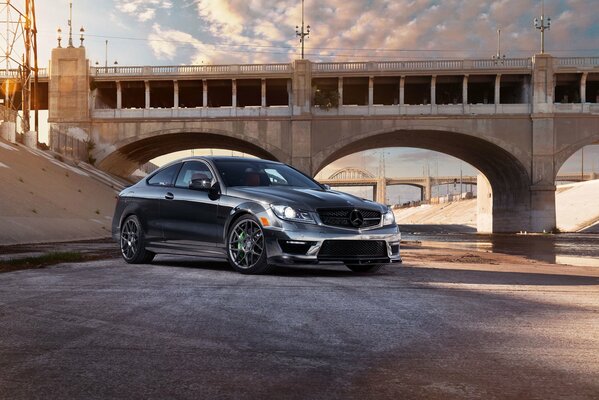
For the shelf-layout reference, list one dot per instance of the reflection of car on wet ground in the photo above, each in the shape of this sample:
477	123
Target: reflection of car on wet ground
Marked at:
255	213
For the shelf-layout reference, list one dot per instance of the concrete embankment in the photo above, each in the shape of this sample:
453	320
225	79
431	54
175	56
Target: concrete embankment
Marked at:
577	210
43	199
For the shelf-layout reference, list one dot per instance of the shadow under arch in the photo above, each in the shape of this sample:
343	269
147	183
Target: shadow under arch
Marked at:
508	177
131	153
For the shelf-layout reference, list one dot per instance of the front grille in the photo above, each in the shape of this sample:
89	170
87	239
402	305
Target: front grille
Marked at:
341	217
348	249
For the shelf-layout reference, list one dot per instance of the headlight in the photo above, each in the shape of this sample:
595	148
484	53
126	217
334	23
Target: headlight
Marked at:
388	218
292	214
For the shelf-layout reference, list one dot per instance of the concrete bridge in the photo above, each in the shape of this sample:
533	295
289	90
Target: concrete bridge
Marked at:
516	120
351	177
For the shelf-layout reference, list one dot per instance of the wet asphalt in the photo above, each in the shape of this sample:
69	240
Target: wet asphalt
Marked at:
180	328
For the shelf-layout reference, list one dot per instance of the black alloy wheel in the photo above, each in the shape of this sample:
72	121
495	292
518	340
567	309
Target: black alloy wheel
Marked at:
132	242
246	247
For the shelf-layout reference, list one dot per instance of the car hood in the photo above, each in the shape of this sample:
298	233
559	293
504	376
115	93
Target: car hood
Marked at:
307	199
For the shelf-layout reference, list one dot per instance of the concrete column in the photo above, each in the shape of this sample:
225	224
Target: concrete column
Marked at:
543	84
484	205
175	94
465	90
433	90
234	93
263	87
583	87
542	189
497	99
381	191
119	95
147	94
370	91
290	94
68	87
340	90
301	89
402	84
204	93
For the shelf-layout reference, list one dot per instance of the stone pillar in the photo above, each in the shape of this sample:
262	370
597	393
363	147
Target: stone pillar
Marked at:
370	91
381	191
484	205
465	90
290	94
497	99
147	83
301	151
204	93
30	139
68	88
542	189
543	84
263	90
402	84
234	93
8	131
433	90
428	189
340	90
302	87
583	87
119	95
175	94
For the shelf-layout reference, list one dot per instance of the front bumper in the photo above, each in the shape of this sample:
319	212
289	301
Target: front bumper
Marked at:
279	241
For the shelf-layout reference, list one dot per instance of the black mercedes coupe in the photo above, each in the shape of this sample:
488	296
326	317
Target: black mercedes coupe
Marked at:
254	213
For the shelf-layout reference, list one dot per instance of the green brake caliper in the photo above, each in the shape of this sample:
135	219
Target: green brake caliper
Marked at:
241	239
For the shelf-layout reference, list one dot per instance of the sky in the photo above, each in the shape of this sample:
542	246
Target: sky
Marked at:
173	32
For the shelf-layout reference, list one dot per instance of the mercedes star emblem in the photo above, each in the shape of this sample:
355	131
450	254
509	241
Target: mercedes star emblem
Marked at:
356	218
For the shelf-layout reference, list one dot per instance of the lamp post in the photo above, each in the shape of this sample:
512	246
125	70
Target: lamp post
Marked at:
81	31
303	33
498	57
542	24
59	36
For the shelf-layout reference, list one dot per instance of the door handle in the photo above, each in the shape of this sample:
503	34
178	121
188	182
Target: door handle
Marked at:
169	196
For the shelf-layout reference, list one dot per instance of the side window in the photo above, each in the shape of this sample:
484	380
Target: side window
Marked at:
192	170
164	177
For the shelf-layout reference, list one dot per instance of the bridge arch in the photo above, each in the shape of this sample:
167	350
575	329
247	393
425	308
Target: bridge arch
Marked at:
585	139
123	157
351	173
507	174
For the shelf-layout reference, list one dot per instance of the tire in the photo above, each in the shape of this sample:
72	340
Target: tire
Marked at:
132	242
246	247
365	268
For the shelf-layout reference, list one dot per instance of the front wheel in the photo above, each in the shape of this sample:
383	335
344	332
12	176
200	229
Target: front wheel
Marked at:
247	248
132	242
365	268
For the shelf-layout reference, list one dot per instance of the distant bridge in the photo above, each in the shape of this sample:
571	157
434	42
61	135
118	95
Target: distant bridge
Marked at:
352	176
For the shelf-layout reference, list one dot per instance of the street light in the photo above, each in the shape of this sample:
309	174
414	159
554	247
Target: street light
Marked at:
542	24
303	33
81	31
59	36
499	57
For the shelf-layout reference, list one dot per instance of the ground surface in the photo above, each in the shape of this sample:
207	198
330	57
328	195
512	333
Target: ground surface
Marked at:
447	324
43	199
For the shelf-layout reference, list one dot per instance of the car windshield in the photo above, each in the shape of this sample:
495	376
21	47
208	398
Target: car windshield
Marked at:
244	172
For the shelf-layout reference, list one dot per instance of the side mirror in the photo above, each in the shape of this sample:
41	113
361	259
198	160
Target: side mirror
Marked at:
326	187
201	184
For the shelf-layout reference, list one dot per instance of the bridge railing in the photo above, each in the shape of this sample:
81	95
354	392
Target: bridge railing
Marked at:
577	61
192	69
371	66
14	73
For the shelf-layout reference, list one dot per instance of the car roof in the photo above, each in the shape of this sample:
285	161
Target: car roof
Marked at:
218	158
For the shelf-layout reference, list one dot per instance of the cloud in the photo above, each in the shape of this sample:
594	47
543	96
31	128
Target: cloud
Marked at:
143	10
252	31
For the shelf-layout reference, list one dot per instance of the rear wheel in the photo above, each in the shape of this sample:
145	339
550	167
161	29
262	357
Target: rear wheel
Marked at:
365	268
132	242
246	247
